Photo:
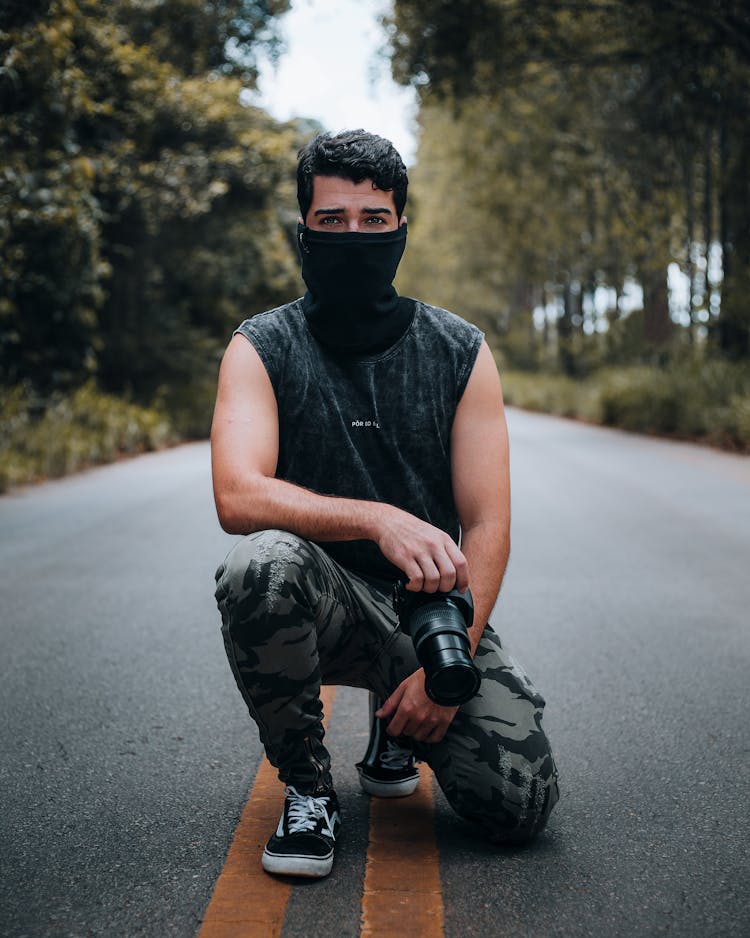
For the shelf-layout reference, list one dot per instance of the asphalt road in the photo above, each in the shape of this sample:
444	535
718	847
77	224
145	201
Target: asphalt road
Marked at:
127	755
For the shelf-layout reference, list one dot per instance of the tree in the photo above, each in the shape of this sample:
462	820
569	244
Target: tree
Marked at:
666	86
143	209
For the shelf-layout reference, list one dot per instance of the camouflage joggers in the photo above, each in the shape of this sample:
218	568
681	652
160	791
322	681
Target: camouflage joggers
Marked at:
294	619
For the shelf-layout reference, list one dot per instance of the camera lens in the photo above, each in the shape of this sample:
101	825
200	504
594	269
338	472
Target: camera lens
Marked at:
442	646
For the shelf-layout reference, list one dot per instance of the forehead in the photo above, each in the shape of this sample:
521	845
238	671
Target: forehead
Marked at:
335	192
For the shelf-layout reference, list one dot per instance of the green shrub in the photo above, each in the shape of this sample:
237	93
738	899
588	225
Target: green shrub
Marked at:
551	394
692	398
46	439
642	399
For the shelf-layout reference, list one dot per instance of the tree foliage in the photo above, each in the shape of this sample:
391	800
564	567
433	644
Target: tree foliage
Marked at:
199	36
140	214
595	143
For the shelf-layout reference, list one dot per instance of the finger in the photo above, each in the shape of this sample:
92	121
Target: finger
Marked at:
436	735
431	575
415	575
408	717
461	566
439	725
422	732
397	725
421	722
447	571
429	732
389	706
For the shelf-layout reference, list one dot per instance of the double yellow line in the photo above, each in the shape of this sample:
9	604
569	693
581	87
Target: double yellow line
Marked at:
248	903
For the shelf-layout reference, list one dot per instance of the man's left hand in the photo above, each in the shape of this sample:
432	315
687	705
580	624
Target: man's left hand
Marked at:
413	714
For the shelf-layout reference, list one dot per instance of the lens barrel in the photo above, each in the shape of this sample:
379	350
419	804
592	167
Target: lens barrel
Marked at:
438	630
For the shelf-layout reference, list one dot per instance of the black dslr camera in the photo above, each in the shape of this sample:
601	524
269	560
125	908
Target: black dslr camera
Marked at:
437	624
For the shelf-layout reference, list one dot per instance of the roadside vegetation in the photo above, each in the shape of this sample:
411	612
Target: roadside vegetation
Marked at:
687	400
68	432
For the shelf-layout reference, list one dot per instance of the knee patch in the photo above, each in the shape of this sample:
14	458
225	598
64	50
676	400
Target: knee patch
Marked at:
510	801
268	566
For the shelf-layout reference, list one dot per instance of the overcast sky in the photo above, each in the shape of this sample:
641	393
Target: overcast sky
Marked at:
331	71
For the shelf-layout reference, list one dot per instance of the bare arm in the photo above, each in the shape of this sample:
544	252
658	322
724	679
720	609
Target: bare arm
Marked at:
244	452
481	485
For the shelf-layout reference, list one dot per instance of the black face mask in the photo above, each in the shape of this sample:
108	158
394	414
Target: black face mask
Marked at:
351	303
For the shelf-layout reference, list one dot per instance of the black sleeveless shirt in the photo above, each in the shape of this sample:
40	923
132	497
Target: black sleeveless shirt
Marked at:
375	428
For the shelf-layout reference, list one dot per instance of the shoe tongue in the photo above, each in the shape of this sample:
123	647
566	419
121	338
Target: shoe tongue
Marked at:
304	813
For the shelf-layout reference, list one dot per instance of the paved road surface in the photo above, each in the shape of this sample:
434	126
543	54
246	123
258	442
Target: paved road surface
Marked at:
127	756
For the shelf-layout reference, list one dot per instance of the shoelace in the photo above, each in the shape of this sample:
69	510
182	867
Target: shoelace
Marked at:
305	811
395	756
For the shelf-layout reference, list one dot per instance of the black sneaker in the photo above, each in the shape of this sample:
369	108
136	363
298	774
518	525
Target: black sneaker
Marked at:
303	842
388	769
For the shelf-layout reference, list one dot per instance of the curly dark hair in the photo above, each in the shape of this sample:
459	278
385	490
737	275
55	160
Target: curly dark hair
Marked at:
355	155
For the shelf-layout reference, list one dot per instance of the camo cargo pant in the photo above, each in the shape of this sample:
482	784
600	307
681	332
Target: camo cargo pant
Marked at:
293	619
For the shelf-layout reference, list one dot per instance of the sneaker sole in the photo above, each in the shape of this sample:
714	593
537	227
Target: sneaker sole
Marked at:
290	865
400	789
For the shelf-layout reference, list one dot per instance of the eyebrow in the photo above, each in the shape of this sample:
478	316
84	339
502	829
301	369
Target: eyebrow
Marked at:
340	211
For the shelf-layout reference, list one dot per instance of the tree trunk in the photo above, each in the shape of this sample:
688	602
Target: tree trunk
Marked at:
657	326
690	268
708	211
565	333
733	326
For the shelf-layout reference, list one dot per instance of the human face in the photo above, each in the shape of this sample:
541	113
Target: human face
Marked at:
340	205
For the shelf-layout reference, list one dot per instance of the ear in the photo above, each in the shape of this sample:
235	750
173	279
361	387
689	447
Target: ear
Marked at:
403	221
300	220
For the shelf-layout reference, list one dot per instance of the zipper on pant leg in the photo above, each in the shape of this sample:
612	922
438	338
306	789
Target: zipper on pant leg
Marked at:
316	764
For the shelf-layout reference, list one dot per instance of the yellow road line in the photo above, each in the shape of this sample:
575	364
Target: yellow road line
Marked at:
402	878
247	902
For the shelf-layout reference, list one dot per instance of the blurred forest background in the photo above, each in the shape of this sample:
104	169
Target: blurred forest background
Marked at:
581	192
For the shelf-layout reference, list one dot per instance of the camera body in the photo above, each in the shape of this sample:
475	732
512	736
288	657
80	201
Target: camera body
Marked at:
437	624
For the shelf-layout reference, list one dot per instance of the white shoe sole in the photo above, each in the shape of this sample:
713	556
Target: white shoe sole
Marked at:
400	789
286	865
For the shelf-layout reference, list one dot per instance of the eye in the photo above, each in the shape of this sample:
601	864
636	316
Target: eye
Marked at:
330	220
375	220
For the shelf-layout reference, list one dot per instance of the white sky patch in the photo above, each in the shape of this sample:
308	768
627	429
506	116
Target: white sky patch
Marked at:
332	72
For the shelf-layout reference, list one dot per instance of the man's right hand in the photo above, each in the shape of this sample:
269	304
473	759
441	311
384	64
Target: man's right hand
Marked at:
428	556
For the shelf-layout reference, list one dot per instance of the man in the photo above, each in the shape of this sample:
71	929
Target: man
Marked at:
358	438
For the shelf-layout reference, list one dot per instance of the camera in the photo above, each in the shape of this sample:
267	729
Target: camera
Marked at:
437	624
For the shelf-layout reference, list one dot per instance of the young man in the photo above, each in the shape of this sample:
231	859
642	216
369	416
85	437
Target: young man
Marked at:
358	438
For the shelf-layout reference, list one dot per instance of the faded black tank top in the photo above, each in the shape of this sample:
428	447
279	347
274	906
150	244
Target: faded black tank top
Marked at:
375	428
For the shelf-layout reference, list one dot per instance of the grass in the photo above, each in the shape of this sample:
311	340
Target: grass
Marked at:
705	400
48	439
